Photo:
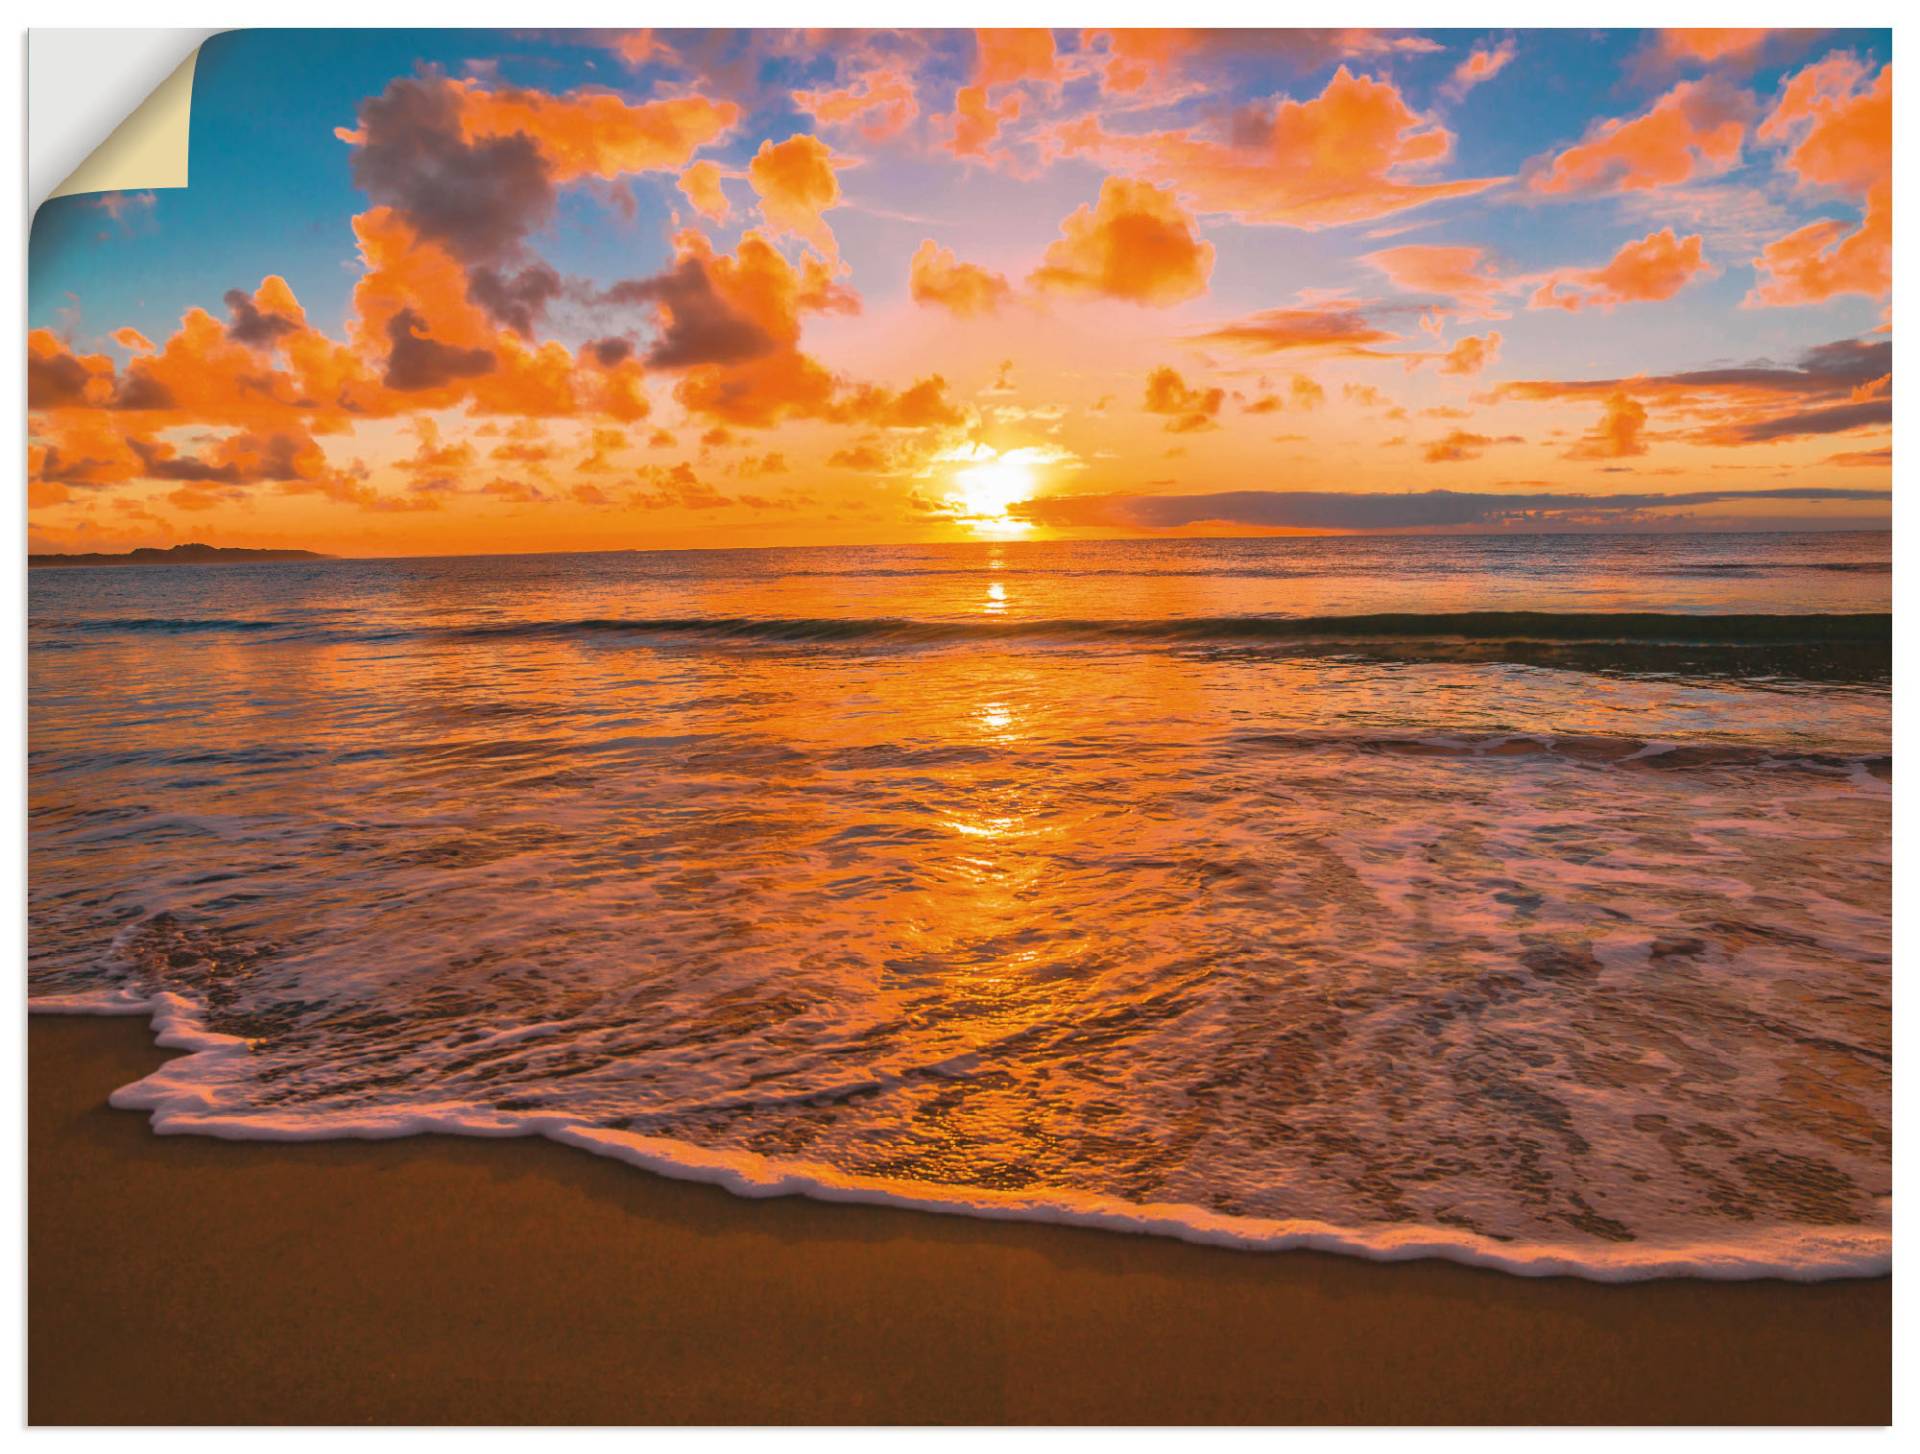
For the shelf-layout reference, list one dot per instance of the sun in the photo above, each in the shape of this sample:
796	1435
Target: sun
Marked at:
988	489
985	491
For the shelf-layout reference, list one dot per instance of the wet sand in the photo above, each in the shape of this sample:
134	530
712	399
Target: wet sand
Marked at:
446	1280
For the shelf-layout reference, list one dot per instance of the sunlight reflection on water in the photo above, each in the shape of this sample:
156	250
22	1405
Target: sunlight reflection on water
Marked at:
1582	957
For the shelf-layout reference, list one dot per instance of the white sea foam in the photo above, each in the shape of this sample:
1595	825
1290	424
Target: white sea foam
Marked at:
183	1098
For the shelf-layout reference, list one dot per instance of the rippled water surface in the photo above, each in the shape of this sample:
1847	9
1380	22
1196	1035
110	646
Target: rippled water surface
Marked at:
1137	883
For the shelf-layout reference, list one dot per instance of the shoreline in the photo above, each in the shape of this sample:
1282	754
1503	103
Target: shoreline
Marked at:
1817	1254
440	1279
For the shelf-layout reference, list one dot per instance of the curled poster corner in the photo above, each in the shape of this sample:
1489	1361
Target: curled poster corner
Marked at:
148	150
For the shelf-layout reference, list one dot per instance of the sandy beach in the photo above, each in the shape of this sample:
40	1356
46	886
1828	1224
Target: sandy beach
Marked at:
438	1280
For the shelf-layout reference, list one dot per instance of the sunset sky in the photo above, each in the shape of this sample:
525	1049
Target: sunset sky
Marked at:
441	291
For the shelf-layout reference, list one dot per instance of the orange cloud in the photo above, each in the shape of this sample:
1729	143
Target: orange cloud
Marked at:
1827	259
1139	57
1136	60
673	486
1695	130
925	405
1190	409
1005	56
1880	388
268	315
730	327
83	448
1482	64
1335	159
1864	458
939	279
416	341
1647	271
595	133
413	308
1619	434
795	182
976	122
93	448
1135	244
881	103
475	170
637	47
1844	128
1001	58
1711	47
862	457
1460	444
1841	132
1279	330
436	463
717	309
1727	52
202	374
1469	355
1460	275
732	324
700	184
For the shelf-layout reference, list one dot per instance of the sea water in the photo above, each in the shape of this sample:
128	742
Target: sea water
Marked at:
1522	900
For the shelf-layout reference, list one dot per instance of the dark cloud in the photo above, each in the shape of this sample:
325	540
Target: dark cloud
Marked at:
1835	420
250	459
141	390
63	467
1825	371
609	351
1349	510
186	468
252	327
54	380
418	362
1833	388
515	300
480	198
1853	359
700	327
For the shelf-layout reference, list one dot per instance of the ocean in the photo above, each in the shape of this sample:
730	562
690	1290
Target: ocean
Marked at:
1521	900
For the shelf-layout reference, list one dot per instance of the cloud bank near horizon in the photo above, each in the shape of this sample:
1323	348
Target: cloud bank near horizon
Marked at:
1411	510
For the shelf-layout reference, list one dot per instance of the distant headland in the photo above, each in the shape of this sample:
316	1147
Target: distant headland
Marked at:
178	555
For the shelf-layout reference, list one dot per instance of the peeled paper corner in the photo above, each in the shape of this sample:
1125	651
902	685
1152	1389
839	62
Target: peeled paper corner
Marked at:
146	151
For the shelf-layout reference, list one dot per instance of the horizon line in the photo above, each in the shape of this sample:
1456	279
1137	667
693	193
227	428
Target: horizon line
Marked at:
315	555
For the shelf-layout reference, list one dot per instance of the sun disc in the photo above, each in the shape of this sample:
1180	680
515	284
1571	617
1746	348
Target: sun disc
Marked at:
988	490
